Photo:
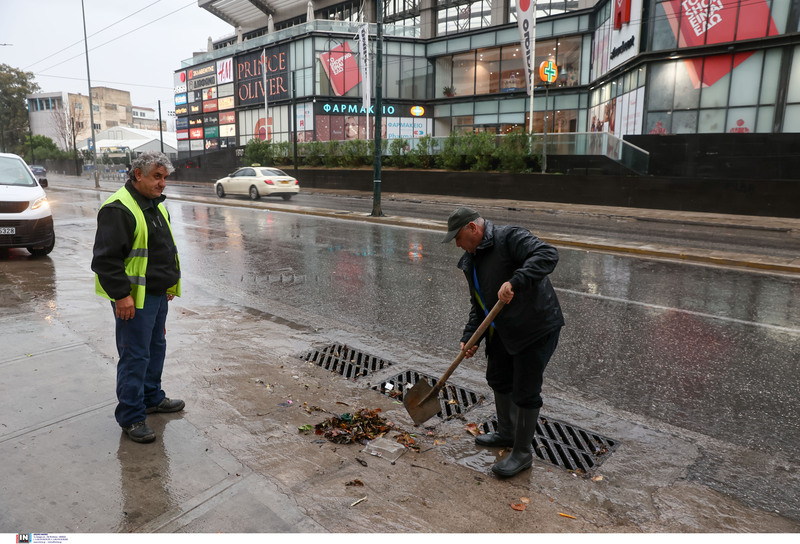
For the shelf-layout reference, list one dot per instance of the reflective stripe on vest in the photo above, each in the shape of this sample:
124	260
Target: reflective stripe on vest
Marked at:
136	261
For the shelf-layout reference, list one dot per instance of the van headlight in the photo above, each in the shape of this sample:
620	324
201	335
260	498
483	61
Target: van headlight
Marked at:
40	203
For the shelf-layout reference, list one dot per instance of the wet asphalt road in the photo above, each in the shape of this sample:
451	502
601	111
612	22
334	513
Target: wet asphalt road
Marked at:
710	350
774	240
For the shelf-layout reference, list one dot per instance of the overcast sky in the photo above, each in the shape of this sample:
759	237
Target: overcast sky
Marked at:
134	45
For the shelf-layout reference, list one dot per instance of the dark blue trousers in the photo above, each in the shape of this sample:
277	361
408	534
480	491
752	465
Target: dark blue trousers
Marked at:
142	346
521	374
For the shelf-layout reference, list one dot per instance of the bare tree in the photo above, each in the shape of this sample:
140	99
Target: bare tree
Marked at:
68	122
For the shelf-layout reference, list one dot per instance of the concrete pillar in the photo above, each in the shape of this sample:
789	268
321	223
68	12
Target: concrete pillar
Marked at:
427	18
500	11
371	11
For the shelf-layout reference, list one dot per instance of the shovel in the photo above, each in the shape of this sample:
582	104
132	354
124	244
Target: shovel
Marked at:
422	400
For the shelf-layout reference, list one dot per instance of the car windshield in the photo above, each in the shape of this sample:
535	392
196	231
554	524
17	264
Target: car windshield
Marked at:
14	172
272	172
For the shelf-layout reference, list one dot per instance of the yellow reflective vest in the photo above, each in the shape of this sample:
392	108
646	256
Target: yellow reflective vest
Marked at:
136	261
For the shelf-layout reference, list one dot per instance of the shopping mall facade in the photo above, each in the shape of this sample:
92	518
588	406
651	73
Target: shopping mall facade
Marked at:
626	67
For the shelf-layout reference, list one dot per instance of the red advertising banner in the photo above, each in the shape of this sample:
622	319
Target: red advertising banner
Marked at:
342	68
699	22
622	13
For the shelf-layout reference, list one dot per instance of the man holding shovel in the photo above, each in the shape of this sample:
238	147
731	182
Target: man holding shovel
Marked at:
510	264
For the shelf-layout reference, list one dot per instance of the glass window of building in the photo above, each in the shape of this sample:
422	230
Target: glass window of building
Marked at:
402	13
457	16
464	74
423	73
337	70
568	59
745	80
463	124
545	9
443	77
487	71
512	67
346	11
393	75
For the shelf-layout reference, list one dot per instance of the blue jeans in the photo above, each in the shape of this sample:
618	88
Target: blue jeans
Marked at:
141	345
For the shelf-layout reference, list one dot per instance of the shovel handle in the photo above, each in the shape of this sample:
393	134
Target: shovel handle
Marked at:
471	342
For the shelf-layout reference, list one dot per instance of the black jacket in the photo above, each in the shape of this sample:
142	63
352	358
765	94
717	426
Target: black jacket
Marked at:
508	253
114	240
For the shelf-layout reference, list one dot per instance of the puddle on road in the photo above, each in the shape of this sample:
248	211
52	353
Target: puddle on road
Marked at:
466	453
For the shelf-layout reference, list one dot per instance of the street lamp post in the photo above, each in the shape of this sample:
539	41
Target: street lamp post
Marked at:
376	194
91	106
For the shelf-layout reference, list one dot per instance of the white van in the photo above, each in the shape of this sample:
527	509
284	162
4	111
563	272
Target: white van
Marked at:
25	217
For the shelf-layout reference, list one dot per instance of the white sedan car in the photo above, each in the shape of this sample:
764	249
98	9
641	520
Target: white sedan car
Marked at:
258	181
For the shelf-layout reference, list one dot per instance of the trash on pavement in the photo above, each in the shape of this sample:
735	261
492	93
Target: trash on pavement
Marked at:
385	449
358	428
473	429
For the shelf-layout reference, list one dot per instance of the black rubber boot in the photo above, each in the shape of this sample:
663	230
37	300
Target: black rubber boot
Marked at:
522	455
506	418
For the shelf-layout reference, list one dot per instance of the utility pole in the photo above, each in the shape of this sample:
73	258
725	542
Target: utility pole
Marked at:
544	139
376	194
74	147
293	120
91	106
160	131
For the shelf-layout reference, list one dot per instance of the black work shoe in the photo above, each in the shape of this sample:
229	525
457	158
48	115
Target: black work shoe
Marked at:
140	432
165	406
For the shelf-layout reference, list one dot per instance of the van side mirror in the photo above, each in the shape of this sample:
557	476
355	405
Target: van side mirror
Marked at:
43	182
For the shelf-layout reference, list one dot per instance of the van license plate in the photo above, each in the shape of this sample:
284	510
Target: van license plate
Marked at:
8	230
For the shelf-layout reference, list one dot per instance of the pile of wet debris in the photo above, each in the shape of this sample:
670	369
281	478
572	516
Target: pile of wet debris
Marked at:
362	427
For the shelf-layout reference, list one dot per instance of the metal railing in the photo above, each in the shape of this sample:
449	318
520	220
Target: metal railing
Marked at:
595	143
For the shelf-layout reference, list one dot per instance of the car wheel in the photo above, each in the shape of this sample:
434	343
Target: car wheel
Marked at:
42	251
287	197
254	193
220	191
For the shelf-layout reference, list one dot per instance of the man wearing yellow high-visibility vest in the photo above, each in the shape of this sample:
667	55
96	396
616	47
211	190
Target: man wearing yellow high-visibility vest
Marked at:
136	267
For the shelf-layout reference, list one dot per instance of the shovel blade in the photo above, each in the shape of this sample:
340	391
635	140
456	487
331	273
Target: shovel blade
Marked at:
421	413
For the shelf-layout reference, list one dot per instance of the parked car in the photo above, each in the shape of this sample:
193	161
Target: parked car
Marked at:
39	171
25	216
258	181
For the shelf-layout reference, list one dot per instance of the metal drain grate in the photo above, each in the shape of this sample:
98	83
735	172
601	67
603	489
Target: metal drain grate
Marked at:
565	445
454	400
348	362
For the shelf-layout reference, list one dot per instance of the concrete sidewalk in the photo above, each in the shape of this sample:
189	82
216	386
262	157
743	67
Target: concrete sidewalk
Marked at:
65	469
